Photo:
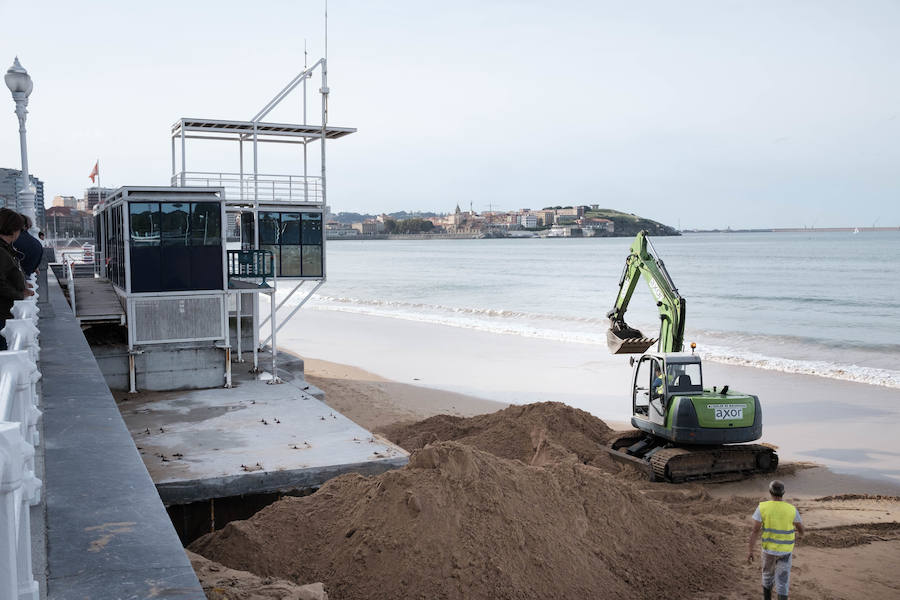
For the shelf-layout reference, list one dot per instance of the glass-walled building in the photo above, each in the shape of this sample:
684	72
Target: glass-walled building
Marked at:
160	240
294	237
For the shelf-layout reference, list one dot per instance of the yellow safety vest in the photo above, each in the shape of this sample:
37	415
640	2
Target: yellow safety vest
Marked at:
778	525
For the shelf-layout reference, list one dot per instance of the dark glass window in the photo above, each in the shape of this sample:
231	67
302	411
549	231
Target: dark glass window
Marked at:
312	228
144	223
175	246
290	228
269	228
206	224
175	223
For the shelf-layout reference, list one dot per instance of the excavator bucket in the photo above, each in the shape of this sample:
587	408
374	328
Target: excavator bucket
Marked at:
623	339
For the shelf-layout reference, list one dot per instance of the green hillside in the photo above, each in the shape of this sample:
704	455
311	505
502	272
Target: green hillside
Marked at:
627	224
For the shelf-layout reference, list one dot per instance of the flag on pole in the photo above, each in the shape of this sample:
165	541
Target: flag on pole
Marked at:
95	172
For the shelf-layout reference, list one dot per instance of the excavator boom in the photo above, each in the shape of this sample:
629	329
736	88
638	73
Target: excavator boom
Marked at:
643	261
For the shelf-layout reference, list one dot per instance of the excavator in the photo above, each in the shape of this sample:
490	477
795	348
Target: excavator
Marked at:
685	430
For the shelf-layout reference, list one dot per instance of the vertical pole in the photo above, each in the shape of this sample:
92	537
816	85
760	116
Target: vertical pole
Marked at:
183	159
324	124
172	179
241	171
274	309
305	140
255	321
240	302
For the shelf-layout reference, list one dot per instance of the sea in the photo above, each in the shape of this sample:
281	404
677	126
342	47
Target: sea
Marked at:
825	304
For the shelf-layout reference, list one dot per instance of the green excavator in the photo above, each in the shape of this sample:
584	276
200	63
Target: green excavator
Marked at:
685	431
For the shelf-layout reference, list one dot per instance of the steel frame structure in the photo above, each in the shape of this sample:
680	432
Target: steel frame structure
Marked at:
252	185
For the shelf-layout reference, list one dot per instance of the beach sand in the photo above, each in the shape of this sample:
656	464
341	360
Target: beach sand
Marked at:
856	519
848	427
840	458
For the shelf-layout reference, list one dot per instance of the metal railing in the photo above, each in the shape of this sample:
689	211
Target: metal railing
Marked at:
251	264
19	416
268	188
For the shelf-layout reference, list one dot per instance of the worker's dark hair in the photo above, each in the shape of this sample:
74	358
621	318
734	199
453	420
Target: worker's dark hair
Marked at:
776	488
10	221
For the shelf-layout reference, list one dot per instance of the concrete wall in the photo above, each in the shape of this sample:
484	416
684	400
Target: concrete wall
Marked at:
163	367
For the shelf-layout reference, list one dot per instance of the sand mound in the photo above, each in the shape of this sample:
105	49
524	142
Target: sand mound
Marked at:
222	583
536	434
461	523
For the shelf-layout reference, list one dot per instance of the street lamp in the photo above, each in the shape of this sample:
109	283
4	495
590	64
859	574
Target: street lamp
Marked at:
19	83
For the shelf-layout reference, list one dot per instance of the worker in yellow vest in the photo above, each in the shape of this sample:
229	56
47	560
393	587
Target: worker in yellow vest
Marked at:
777	521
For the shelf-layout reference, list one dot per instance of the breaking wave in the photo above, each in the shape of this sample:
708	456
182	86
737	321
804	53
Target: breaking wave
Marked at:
587	330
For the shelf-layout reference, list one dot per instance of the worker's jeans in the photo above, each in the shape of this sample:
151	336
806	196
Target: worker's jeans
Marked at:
776	570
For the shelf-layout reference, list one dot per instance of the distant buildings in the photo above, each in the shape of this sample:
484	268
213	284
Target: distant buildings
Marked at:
571	221
92	195
66	201
66	222
10	182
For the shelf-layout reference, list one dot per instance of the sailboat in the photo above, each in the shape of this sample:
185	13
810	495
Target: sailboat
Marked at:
856	230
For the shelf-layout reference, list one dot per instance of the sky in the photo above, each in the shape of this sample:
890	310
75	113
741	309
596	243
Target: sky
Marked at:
699	114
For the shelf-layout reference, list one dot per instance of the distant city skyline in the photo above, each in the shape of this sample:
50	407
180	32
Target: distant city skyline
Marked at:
699	115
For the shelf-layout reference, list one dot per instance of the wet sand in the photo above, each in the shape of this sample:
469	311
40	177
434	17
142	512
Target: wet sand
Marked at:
848	427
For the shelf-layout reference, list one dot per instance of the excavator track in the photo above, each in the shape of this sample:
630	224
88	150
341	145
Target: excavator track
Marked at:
720	462
663	462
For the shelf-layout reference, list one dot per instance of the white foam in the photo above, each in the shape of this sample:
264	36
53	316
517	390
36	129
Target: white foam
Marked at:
585	330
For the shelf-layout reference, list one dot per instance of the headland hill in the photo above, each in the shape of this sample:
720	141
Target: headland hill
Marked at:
552	221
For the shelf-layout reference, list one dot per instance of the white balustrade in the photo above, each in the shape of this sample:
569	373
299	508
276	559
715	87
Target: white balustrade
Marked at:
19	487
26	309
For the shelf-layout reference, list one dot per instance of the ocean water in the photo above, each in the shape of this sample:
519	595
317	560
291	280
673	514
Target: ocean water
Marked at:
822	304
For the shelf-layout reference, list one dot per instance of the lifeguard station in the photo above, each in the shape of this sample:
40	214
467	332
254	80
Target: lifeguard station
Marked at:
276	220
190	261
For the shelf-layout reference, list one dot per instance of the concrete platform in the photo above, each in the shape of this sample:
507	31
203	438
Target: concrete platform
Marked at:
253	438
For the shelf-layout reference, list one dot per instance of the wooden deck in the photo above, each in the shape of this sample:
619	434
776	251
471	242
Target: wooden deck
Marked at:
97	301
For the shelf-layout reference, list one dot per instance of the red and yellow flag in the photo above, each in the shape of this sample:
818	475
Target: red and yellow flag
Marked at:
95	172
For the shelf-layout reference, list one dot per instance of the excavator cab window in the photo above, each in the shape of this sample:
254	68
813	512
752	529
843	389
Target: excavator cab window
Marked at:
658	381
684	377
642	380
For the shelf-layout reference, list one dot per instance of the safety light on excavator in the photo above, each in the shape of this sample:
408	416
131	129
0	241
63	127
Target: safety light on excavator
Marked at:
693	347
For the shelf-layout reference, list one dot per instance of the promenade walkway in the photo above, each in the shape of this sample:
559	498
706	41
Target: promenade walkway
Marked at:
107	532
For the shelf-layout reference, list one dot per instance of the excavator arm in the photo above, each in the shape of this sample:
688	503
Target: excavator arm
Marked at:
644	261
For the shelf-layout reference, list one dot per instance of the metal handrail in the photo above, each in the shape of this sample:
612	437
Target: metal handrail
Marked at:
264	187
251	264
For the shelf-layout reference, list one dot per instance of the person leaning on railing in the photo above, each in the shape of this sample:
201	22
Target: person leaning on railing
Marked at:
12	279
31	249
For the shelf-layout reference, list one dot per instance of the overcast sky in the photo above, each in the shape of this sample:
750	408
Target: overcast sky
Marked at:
698	114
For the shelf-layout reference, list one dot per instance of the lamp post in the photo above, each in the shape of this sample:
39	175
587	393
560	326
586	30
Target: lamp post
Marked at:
19	83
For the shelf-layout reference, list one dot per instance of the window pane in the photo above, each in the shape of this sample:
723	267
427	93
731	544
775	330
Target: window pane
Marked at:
290	229
144	223
269	225
312	228
247	230
312	261
206	224
275	252
175	223
290	261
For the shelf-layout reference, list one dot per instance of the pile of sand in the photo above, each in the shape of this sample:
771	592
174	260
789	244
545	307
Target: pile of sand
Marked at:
222	583
458	522
536	434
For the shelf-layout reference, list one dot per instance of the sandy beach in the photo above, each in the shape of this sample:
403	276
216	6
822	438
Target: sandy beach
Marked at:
848	427
464	394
